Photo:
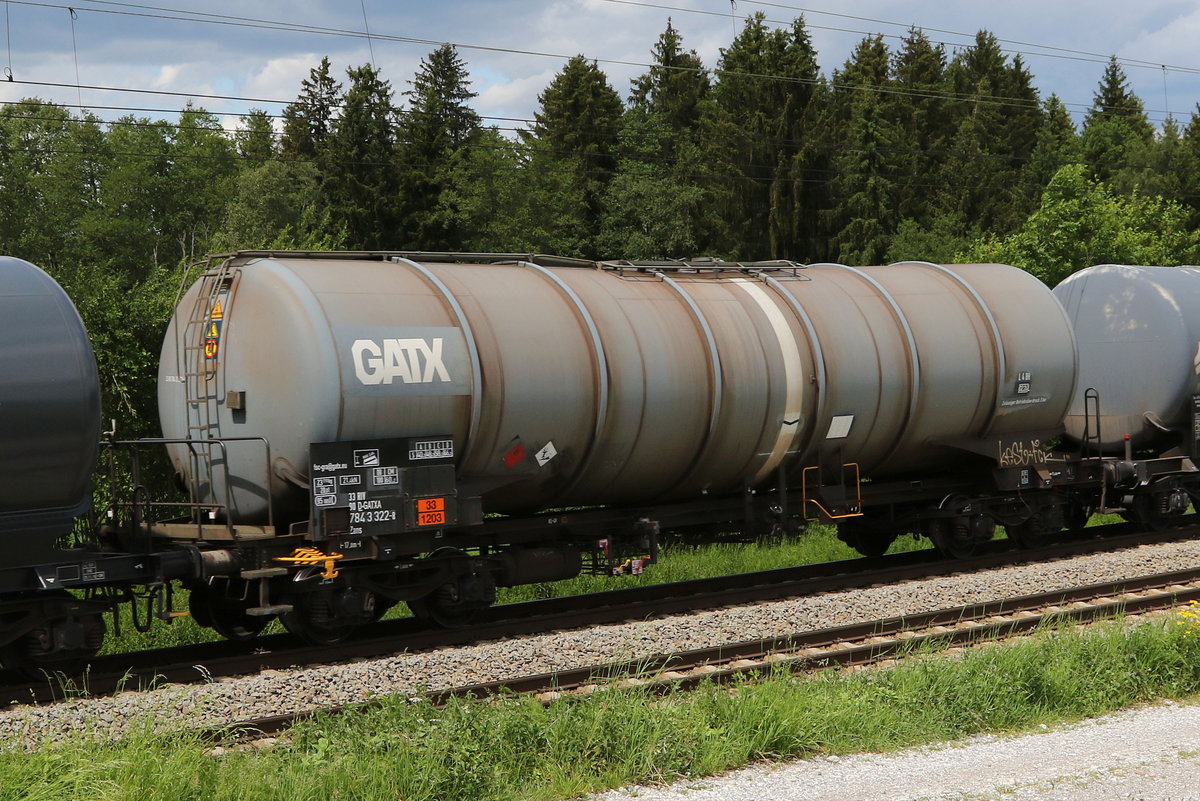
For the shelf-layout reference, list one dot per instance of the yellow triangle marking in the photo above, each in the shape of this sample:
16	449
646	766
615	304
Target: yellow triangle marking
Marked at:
218	311
213	331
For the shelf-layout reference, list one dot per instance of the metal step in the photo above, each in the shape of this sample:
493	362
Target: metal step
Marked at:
265	611
264	572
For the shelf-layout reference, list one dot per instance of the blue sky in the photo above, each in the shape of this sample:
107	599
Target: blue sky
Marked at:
262	48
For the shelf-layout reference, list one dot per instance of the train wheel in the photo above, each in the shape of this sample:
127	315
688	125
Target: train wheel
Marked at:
213	607
60	645
952	537
1040	529
456	603
867	541
314	619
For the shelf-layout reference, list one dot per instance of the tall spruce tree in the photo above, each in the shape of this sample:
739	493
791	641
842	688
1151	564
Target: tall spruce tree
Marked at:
433	130
308	121
1057	145
653	206
919	108
675	86
255	137
757	140
995	117
360	185
1116	130
1189	166
863	195
578	124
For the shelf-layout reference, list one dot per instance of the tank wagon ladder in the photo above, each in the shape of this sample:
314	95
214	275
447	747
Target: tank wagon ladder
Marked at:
200	350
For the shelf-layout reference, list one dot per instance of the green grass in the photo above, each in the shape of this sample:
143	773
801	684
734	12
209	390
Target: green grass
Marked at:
681	562
518	749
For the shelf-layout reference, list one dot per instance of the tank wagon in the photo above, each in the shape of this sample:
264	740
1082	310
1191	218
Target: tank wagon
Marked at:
347	423
1138	333
49	438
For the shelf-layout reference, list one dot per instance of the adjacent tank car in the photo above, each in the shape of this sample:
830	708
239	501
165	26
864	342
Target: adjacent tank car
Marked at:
1138	333
49	436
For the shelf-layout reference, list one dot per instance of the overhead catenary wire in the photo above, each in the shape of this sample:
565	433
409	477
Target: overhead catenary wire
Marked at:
159	12
893	90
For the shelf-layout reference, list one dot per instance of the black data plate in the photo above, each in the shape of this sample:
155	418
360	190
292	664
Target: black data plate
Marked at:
358	487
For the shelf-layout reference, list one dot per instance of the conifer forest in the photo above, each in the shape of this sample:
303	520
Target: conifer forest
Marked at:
904	152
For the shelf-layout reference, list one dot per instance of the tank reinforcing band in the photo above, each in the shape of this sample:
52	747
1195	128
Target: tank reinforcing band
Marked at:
818	360
600	361
914	391
473	352
793	368
997	341
716	378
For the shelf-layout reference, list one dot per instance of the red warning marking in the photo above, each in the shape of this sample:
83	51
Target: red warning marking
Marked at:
513	457
210	348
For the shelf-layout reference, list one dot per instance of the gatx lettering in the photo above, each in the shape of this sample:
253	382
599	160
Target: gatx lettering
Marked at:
411	361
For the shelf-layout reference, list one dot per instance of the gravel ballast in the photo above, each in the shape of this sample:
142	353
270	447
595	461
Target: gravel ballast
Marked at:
298	689
1148	753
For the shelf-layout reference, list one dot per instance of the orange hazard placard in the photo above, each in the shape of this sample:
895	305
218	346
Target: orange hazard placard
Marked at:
431	511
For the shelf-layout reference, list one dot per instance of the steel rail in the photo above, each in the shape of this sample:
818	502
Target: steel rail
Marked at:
856	644
203	662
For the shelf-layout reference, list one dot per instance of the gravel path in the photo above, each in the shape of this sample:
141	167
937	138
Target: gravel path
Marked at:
275	692
1142	754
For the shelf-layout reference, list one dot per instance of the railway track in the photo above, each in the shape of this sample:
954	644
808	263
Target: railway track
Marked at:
858	644
200	663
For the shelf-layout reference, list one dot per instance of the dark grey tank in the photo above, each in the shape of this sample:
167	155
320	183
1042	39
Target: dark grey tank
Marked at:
49	408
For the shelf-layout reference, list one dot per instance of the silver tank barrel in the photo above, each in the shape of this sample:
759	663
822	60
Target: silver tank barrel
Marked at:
1138	331
622	384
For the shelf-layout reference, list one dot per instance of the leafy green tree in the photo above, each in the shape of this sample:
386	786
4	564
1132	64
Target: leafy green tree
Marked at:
360	186
275	204
542	208
1081	222
199	173
438	123
131	226
51	166
654	204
